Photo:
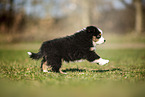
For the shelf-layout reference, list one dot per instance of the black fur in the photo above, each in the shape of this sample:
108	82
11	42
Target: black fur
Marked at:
36	55
70	48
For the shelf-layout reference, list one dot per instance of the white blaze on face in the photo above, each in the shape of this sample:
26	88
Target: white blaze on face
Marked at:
100	31
101	39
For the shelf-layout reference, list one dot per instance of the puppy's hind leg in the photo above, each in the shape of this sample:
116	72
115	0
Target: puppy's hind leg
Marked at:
55	62
62	72
42	62
44	66
57	68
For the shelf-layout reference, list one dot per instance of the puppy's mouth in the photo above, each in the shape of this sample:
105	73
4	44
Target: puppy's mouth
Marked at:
98	40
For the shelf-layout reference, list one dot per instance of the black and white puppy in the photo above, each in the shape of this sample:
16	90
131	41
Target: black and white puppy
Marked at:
79	46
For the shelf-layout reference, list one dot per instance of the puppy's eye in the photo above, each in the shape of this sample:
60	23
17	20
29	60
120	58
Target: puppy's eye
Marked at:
98	36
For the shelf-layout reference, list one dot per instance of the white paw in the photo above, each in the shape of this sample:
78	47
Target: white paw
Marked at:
103	62
45	70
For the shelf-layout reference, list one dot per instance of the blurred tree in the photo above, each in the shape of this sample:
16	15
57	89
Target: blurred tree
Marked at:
86	12
12	16
139	16
8	18
137	7
43	16
11	5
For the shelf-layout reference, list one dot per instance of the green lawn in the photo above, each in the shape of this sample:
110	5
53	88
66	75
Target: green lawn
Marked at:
125	71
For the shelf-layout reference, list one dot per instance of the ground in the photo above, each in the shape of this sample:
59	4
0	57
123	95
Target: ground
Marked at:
123	76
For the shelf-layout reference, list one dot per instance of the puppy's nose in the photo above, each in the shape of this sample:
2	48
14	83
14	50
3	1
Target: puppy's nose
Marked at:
104	40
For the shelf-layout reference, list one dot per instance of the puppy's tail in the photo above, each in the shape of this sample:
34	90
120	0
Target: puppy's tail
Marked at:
35	55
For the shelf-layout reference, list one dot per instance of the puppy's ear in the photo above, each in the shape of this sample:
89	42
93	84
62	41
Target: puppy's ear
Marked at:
91	29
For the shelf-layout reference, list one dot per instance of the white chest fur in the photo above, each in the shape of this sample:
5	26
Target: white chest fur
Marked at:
94	47
94	44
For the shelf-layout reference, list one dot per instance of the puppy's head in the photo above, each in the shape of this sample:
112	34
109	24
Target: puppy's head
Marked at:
96	34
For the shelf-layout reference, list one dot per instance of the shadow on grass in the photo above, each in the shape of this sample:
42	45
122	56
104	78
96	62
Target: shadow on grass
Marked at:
84	70
74	70
114	69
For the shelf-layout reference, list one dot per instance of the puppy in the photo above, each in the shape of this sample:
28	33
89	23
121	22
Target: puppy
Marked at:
81	45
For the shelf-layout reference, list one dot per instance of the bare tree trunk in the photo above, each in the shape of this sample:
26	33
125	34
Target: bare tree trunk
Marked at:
139	16
85	12
11	5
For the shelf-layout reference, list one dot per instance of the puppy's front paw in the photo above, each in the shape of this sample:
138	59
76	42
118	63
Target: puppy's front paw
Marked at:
45	70
103	62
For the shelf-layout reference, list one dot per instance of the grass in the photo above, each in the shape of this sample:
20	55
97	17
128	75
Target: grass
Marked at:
128	64
123	76
126	67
